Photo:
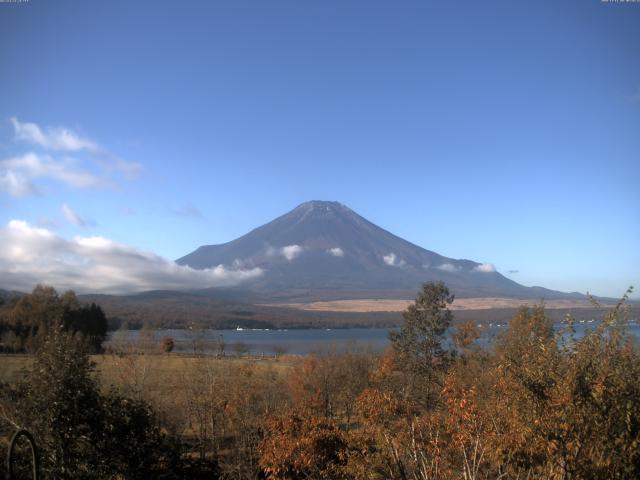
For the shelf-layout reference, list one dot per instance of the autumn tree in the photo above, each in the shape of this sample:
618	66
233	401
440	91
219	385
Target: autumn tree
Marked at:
328	385
565	406
252	393
167	344
385	445
541	404
302	447
224	404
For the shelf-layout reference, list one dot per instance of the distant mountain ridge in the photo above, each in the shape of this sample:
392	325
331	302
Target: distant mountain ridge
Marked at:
323	250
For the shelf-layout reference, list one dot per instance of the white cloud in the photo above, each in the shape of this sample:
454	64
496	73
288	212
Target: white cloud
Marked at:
63	139
32	255
389	259
52	138
15	184
238	263
32	165
448	267
72	217
485	268
17	174
392	260
291	251
336	252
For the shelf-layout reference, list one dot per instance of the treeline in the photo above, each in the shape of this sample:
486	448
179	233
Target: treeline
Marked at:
25	321
538	404
169	310
180	310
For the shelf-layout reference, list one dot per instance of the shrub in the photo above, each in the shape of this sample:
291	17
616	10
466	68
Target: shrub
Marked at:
81	432
167	344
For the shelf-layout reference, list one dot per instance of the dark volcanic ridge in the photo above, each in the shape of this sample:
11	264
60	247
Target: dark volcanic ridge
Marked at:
324	250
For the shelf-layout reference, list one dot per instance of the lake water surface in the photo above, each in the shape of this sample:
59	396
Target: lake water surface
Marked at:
306	341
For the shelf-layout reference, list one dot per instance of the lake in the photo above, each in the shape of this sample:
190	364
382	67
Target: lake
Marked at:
305	341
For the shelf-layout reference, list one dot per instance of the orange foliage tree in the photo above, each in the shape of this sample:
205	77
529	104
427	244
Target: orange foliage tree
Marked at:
301	447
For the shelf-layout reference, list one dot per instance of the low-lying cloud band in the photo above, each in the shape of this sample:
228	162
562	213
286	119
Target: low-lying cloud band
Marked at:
32	255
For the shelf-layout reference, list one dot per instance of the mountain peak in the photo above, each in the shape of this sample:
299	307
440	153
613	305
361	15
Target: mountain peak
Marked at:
324	245
322	211
320	203
321	206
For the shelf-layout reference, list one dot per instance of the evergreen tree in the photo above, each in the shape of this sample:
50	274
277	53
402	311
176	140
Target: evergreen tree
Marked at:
32	316
419	341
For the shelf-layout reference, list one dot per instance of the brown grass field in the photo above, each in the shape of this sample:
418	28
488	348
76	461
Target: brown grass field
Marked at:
159	372
168	382
377	305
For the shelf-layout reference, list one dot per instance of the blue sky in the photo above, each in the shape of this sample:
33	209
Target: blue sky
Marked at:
503	132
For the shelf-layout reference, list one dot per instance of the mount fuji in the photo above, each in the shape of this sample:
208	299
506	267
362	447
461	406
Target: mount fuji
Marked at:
324	250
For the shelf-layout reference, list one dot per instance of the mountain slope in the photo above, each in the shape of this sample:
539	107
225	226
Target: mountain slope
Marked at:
326	250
